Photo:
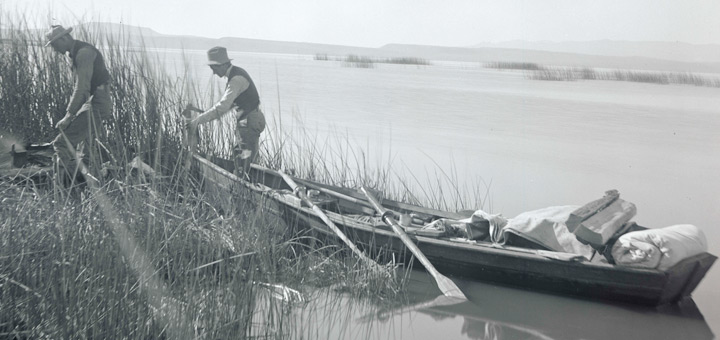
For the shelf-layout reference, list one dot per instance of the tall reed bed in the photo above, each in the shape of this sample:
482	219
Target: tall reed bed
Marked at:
556	73
336	160
64	274
514	65
586	73
353	60
139	259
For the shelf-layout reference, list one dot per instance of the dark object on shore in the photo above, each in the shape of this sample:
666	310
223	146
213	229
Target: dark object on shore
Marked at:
33	155
31	163
532	269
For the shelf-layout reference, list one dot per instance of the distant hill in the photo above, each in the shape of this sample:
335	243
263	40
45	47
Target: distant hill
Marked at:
671	57
116	28
491	54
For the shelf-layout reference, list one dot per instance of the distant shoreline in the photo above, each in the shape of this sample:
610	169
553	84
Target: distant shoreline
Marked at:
636	55
644	56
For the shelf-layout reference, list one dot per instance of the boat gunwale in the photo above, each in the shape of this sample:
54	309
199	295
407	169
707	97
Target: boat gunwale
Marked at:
489	248
648	285
486	247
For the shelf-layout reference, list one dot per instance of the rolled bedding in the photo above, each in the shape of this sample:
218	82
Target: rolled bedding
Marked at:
659	248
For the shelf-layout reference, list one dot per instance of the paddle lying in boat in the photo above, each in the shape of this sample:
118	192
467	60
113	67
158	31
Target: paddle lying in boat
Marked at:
335	194
512	264
301	194
446	285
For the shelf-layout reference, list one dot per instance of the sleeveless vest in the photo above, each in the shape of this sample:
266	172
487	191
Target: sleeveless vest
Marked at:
248	100
100	73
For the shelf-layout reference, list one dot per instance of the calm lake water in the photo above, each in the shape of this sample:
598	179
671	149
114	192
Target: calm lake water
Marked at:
535	144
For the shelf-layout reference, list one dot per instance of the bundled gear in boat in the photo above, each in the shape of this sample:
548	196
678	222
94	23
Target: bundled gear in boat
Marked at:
659	248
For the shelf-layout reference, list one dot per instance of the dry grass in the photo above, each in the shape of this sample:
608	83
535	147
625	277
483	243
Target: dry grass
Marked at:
143	259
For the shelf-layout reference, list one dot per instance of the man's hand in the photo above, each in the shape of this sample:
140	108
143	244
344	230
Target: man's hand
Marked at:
191	132
192	124
190	111
63	123
193	108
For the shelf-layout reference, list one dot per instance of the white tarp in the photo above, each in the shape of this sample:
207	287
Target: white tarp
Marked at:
659	248
546	227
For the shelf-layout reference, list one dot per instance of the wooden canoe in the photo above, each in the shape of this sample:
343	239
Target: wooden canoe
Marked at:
507	265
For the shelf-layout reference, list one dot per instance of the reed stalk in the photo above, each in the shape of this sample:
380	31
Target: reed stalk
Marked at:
135	257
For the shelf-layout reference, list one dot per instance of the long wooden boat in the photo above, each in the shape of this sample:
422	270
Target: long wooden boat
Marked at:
513	266
507	265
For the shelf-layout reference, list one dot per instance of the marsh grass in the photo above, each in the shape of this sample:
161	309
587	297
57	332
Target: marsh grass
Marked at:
585	73
556	73
321	56
146	258
353	60
406	61
358	61
63	274
335	159
513	65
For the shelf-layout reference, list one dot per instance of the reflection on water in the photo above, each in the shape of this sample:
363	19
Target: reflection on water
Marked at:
503	313
473	327
491	313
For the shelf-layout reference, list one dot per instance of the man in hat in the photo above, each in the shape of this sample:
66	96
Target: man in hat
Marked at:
89	105
240	95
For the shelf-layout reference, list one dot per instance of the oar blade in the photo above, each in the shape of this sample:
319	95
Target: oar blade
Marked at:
320	214
449	288
446	285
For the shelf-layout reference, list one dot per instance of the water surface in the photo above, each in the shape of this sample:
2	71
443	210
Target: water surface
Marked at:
535	144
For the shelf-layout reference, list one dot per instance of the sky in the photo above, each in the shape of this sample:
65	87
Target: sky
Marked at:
373	23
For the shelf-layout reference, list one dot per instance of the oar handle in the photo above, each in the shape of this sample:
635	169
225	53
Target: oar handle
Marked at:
446	285
301	194
336	194
389	220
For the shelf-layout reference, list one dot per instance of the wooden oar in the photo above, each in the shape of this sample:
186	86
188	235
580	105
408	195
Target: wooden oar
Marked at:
446	285
336	194
301	194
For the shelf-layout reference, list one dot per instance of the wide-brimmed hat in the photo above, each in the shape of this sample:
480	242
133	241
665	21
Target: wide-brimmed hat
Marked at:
56	32
218	56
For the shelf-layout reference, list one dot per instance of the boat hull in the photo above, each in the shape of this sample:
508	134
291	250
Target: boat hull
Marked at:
511	266
527	271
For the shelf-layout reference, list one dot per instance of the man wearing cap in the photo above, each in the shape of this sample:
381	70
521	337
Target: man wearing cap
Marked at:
242	96
90	103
